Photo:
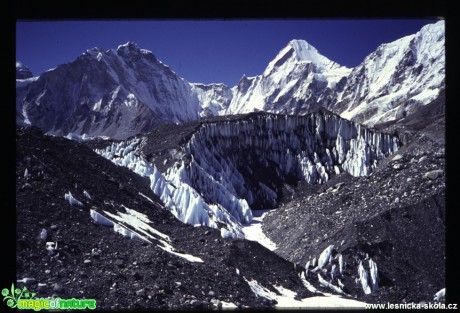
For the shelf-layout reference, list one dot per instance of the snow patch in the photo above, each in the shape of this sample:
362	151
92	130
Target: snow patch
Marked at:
140	193
254	230
139	227
286	299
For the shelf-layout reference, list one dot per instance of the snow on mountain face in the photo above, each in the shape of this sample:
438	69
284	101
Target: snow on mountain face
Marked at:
395	79
227	167
297	81
122	92
213	98
23	78
117	93
22	71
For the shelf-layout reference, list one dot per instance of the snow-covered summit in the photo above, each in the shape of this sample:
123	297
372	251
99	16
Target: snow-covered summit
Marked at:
128	46
299	51
307	53
22	71
297	81
133	90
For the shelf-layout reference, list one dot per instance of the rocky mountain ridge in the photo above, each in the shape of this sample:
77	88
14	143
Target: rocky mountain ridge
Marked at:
126	91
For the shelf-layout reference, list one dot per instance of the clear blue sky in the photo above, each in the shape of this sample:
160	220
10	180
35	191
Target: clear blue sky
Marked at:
208	51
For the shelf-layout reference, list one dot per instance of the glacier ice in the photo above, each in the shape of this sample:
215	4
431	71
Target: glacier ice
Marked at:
324	256
334	272
329	285
314	262
184	201
374	275
43	234
440	295
86	194
72	200
364	278
51	246
341	264
100	219
208	182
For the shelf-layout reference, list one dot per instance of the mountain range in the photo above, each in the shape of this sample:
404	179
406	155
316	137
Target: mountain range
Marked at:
121	92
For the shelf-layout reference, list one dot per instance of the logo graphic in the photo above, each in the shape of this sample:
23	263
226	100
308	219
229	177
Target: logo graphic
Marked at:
16	295
23	299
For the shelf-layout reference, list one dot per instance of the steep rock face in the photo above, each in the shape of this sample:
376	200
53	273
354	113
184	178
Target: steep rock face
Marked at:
117	93
222	168
396	79
299	80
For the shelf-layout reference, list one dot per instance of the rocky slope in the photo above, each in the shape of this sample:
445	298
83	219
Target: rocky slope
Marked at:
396	217
66	246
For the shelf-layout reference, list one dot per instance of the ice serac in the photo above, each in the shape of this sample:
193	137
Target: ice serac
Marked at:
298	81
184	202
250	158
228	166
396	79
117	93
364	278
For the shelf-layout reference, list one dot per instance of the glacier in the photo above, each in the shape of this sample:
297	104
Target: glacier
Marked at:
211	181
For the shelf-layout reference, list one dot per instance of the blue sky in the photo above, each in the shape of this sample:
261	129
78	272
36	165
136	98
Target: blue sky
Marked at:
208	51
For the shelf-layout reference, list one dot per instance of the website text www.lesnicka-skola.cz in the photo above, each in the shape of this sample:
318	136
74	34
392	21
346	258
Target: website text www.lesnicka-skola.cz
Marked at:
412	305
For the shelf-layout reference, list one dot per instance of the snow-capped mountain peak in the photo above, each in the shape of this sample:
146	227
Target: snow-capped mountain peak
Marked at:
298	52
396	78
307	53
129	87
22	71
297	81
128	46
